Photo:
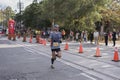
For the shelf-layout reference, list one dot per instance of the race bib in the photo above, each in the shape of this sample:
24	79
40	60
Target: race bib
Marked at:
55	44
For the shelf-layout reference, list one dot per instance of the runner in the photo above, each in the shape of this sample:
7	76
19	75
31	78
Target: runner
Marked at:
55	38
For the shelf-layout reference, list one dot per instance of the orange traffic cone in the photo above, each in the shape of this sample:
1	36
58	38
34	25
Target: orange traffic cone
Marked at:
37	38
80	48
116	56
24	38
9	36
14	37
44	42
30	41
41	41
97	52
66	46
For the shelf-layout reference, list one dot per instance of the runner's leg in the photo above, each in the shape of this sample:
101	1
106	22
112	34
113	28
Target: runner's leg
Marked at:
59	53
53	58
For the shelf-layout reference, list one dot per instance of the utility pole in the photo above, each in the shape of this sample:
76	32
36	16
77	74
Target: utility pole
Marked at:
20	11
53	22
20	7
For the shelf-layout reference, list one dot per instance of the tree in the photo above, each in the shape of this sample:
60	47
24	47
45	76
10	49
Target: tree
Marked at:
32	16
110	15
70	14
79	14
6	14
34	1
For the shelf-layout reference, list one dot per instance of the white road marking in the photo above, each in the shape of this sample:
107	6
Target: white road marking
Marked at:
88	76
13	79
105	54
76	75
29	50
33	51
106	66
9	46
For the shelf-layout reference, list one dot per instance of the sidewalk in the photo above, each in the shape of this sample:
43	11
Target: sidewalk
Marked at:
110	43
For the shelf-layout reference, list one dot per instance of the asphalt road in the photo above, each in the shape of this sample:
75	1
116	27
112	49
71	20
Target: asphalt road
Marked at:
31	61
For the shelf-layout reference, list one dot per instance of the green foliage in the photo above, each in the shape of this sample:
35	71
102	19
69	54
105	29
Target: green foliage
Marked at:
5	15
70	14
32	17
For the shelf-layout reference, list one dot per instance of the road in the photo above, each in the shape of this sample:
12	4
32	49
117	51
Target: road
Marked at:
31	61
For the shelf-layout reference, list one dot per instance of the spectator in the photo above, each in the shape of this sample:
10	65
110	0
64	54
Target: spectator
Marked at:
85	36
82	36
63	34
106	38
114	37
91	37
96	36
71	35
77	36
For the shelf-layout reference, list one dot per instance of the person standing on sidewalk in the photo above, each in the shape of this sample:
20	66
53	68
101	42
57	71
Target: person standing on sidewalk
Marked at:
114	37
55	39
63	34
96	36
91	37
106	38
77	36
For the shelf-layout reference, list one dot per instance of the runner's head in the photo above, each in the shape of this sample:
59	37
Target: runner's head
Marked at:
56	27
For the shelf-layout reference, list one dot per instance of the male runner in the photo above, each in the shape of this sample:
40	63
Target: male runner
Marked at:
55	38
